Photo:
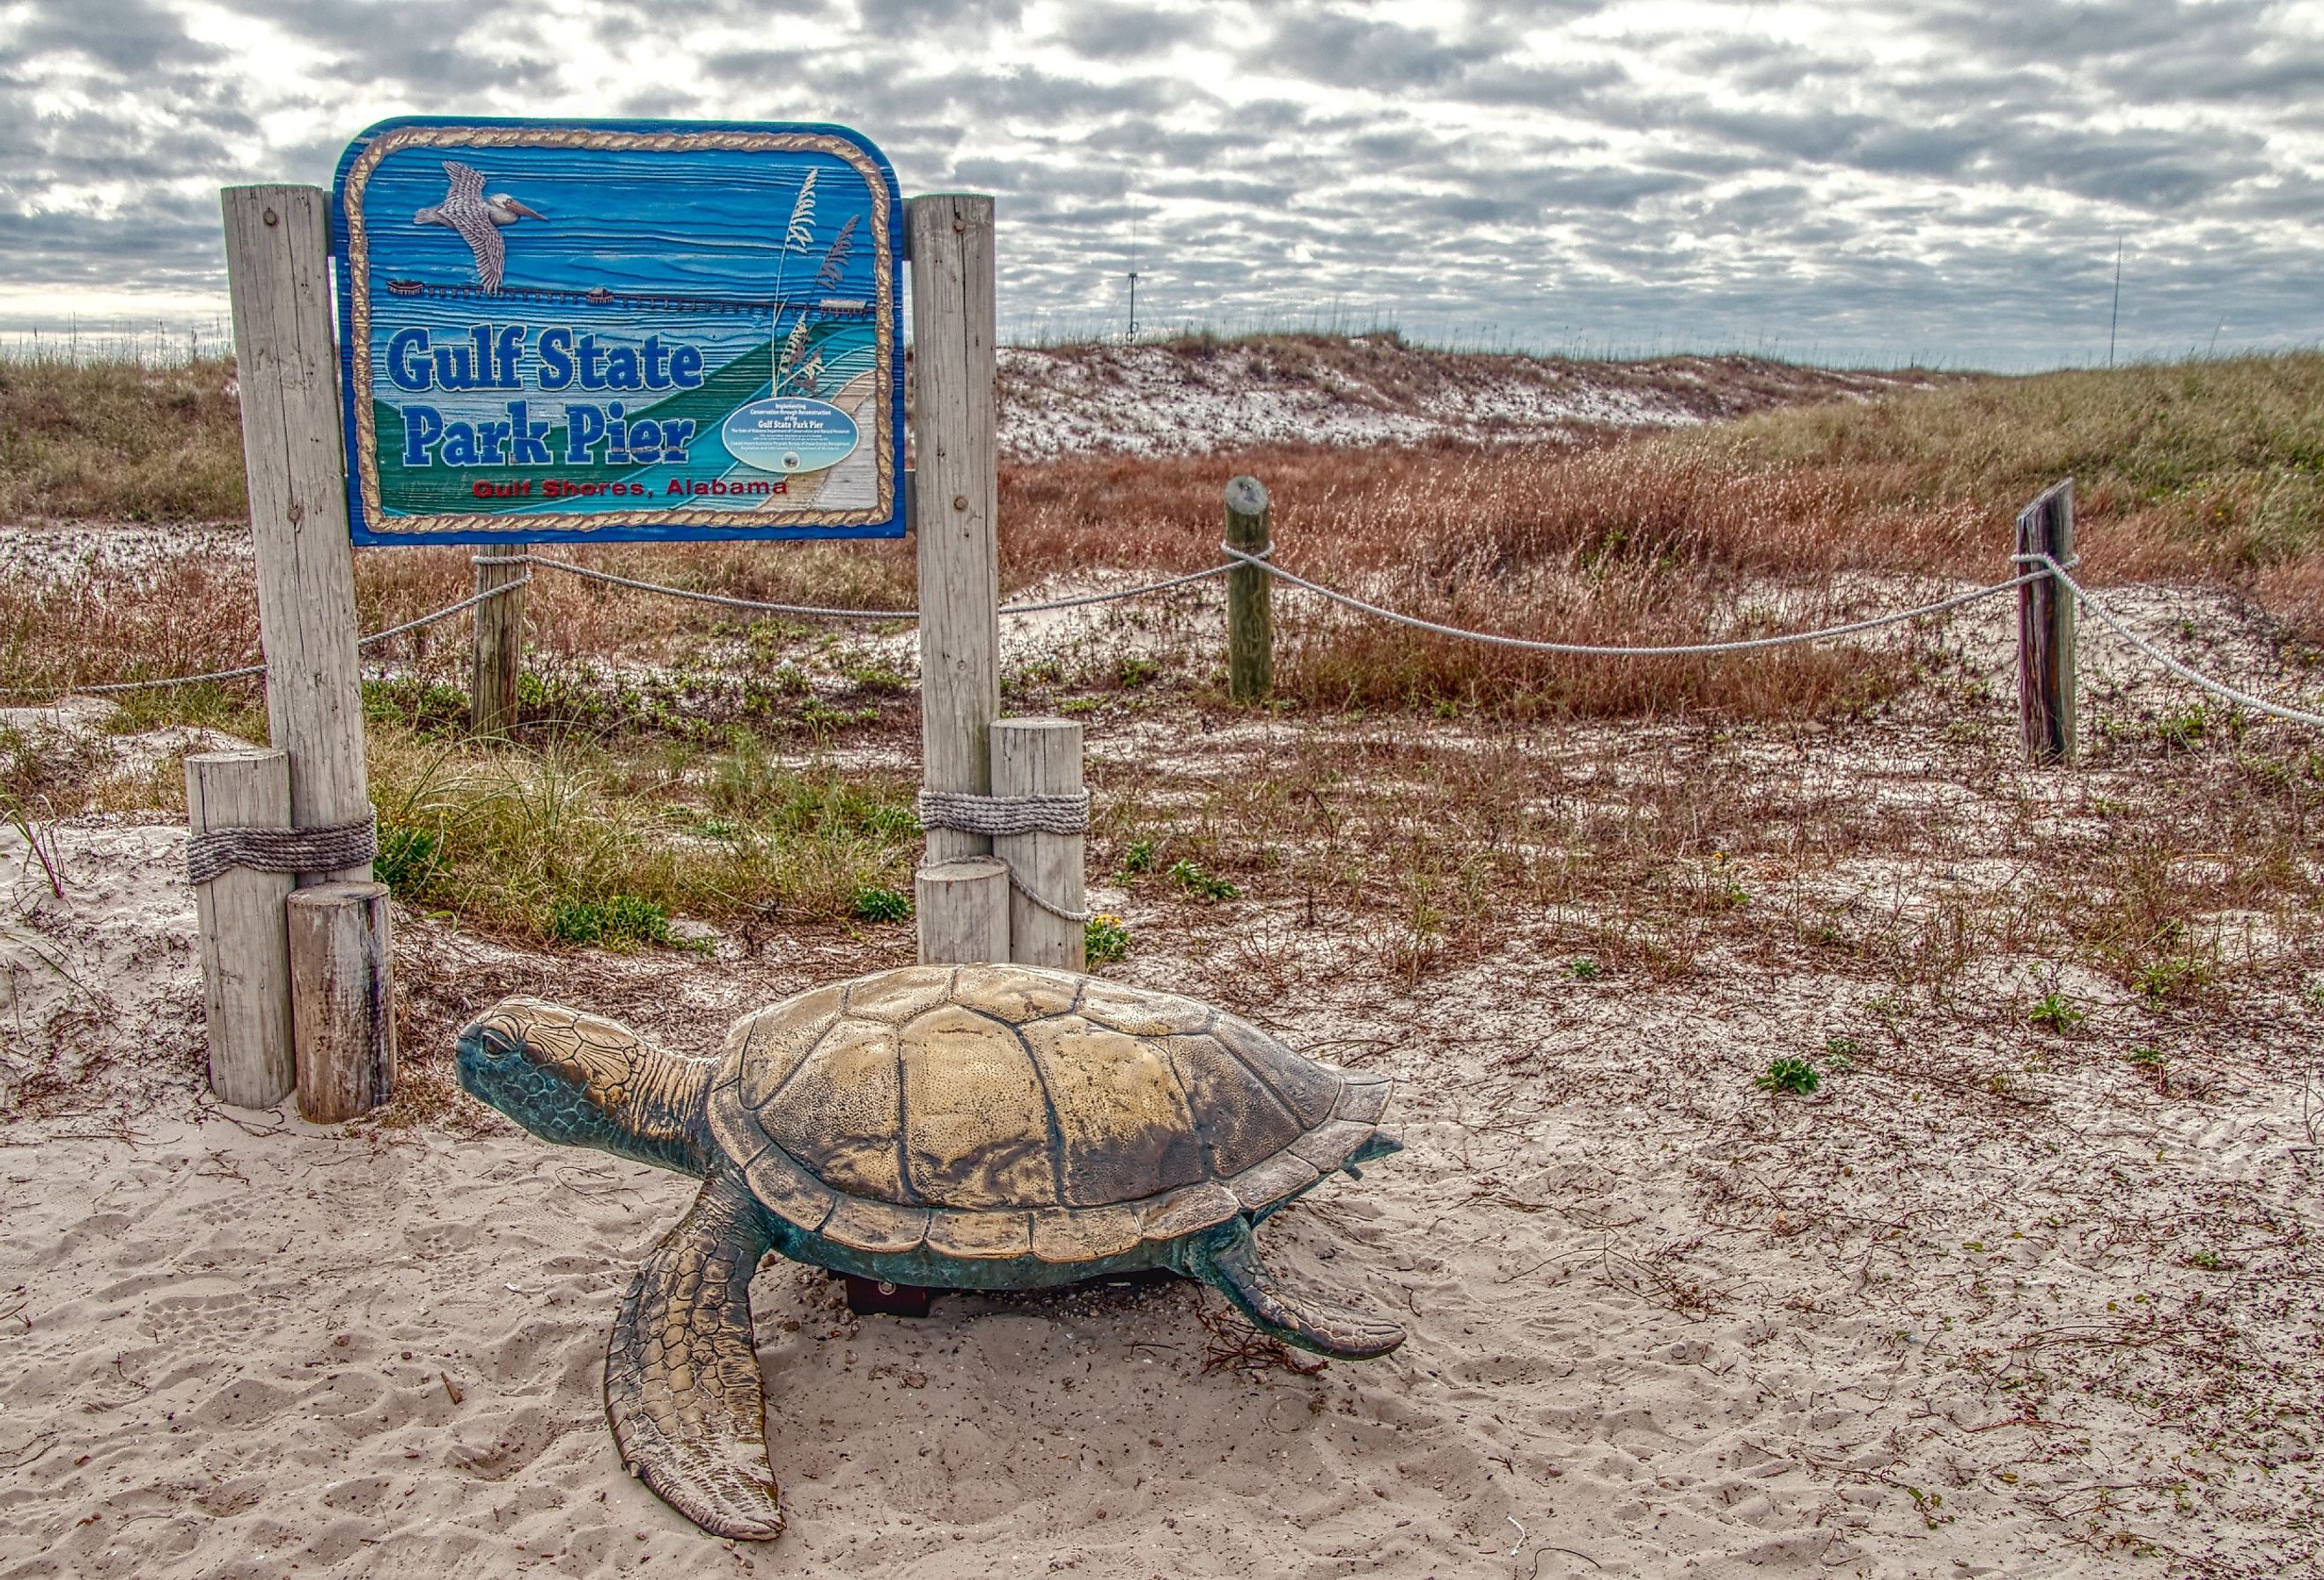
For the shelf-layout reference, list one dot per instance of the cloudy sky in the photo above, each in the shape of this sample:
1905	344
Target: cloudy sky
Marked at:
1861	180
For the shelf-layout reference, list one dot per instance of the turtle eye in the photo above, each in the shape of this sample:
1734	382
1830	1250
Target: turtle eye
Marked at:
498	1043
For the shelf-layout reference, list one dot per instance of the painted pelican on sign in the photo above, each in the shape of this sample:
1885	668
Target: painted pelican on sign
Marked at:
478	218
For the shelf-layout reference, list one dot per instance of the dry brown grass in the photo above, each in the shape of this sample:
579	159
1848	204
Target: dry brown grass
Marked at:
188	616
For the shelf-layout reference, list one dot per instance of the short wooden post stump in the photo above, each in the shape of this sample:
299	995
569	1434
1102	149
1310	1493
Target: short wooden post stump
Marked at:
963	908
342	999
1041	757
238	919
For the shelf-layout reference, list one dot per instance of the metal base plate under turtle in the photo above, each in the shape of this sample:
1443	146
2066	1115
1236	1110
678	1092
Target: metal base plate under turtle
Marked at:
869	1297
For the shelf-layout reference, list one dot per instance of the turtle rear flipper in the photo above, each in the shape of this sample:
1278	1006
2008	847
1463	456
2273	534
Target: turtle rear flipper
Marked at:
681	1378
1227	1259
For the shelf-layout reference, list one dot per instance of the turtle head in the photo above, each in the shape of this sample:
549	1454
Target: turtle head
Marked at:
582	1080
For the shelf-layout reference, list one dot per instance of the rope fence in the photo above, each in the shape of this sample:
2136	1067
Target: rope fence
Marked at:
431	618
2217	689
2040	567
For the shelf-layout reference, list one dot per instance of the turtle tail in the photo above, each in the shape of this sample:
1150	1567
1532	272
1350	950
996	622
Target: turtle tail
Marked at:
1227	1259
682	1385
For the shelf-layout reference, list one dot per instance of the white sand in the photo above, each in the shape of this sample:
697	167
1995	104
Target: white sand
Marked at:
1170	398
1665	1324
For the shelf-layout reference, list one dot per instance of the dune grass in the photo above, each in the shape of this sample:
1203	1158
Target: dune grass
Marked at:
546	841
119	441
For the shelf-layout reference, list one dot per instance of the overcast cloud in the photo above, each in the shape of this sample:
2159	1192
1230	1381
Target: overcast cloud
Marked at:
1840	179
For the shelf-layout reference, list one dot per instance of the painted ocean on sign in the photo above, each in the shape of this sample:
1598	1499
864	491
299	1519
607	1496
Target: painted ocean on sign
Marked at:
559	332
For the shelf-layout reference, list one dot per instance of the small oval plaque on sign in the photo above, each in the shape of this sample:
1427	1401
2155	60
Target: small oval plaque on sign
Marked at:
790	433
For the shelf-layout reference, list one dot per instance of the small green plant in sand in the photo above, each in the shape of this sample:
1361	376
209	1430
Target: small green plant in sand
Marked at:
1581	968
1841	1049
1794	1077
1105	939
1200	884
1721	889
2183	729
2054	1012
2161	981
875	904
409	858
617	921
1138	859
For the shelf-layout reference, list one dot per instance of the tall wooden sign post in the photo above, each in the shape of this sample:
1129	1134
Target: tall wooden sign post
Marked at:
278	243
963	893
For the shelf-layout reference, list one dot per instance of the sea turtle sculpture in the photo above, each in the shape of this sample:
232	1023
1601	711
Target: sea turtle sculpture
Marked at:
978	1127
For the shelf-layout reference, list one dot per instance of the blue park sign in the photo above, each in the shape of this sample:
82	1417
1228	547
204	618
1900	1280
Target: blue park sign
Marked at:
588	330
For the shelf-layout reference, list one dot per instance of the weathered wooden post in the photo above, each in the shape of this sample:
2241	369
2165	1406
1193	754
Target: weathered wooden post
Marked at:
238	919
342	999
2045	628
278	273
500	644
1250	596
278	267
1041	757
963	911
956	502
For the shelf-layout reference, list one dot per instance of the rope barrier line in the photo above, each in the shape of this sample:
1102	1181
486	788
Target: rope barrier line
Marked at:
1136	592
818	612
720	599
2041	566
446	611
2241	699
1584	649
112	685
246	670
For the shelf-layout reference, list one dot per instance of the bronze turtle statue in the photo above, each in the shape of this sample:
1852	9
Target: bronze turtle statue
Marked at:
972	1127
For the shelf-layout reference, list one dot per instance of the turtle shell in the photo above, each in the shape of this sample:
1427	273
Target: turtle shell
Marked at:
1009	1110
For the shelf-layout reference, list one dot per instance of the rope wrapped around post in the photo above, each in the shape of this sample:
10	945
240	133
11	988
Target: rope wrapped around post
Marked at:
280	850
1006	814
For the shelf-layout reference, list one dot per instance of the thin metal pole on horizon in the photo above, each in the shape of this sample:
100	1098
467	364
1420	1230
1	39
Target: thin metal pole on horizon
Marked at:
2116	317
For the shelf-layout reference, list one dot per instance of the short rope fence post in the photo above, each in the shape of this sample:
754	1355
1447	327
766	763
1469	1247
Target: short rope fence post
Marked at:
238	922
500	643
342	999
1042	757
1251	594
964	912
2045	627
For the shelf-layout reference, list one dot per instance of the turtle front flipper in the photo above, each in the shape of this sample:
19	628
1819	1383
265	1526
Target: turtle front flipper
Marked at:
1227	1259
682	1379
